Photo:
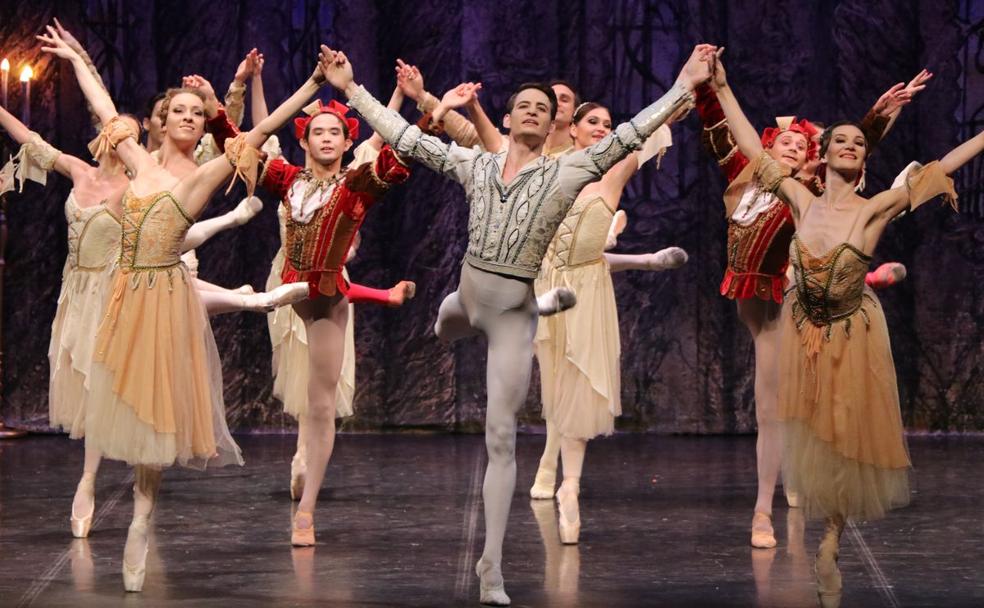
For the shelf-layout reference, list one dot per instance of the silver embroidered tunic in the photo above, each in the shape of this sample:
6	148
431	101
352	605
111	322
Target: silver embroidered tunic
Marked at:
511	225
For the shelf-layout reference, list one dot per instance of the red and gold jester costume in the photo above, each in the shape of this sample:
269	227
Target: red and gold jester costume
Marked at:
323	216
760	226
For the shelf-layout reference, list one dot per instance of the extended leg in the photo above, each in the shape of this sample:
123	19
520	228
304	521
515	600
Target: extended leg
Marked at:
664	259
219	300
203	230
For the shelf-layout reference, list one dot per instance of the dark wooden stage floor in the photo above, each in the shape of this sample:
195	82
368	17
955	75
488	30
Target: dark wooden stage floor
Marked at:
665	523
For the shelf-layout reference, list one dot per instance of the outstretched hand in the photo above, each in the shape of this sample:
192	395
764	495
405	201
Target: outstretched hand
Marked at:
56	45
699	66
918	83
409	80
198	82
69	39
247	67
461	95
334	67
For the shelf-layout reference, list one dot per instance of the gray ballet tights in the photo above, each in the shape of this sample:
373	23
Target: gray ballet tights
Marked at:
504	310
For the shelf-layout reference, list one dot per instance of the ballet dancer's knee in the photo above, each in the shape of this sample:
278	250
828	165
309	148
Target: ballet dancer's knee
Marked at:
500	441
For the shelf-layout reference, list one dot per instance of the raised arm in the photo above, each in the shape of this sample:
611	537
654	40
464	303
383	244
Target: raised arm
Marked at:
133	155
242	154
882	116
408	140
458	128
590	164
40	154
466	95
767	170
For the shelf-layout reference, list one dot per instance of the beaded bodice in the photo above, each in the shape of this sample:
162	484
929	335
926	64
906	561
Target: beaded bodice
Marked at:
581	236
831	287
93	235
154	229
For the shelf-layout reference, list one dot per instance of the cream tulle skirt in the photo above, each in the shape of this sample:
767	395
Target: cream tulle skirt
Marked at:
579	353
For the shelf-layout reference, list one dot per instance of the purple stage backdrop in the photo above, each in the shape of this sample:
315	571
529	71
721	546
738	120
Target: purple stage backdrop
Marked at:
687	360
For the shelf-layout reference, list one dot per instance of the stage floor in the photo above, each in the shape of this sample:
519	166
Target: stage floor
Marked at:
665	523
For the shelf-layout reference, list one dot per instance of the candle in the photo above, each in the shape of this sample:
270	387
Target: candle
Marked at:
25	78
4	74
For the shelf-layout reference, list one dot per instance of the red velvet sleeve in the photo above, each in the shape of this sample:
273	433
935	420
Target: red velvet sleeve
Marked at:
221	128
716	135
277	177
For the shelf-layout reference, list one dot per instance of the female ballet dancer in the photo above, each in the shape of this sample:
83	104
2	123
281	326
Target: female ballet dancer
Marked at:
760	227
579	351
846	456
155	396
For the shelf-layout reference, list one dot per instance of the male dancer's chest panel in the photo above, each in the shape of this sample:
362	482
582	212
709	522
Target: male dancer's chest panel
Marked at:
321	243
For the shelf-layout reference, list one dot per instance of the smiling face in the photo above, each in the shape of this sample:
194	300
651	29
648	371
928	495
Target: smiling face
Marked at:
530	115
325	139
846	149
592	128
790	148
184	120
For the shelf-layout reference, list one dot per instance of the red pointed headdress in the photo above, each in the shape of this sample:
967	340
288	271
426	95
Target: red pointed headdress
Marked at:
332	107
789	123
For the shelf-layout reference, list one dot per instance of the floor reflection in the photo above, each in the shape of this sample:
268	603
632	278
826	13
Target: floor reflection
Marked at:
562	563
784	577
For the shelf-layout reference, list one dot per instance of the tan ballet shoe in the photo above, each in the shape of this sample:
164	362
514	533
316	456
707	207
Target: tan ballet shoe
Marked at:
302	537
133	574
570	529
492	589
763	535
543	484
82	525
276	297
401	292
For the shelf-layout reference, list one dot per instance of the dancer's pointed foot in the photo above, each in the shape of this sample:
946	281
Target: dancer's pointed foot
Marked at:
886	275
401	292
135	554
492	588
84	506
556	300
276	297
302	531
298	473
569	522
667	259
247	209
543	484
619	222
763	535
829	584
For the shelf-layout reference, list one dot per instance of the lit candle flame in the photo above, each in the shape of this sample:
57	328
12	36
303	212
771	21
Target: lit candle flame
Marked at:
5	65
26	74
